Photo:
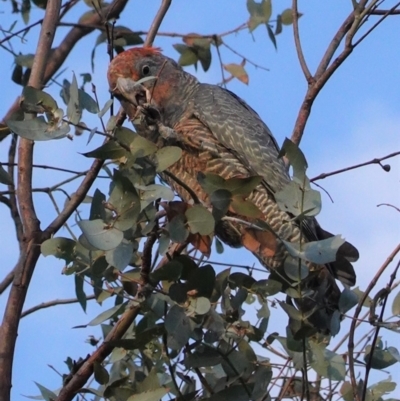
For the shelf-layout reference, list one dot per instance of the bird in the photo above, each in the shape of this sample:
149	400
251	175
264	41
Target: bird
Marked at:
220	134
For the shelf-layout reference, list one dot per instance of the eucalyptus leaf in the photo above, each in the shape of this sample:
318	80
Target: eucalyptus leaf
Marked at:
200	220
319	252
37	129
74	110
61	248
120	256
5	178
166	157
99	235
178	327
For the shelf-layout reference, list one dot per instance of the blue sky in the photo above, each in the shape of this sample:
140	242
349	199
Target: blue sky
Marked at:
355	119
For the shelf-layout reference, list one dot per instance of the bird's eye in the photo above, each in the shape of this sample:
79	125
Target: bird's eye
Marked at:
145	69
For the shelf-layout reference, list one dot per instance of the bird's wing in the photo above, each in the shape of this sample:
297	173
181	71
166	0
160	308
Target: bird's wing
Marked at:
239	128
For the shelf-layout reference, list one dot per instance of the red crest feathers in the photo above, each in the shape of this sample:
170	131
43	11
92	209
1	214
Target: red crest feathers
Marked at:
143	51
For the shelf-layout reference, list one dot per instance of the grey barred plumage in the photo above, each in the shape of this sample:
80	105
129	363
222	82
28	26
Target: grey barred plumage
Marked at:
219	133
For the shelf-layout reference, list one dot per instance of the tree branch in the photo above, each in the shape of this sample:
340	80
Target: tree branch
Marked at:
31	224
78	380
55	302
342	170
297	42
157	22
357	312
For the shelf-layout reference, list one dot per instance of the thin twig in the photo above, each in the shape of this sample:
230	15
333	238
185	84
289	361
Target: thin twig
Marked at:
7	280
342	170
385	15
389	205
377	329
55	302
245	58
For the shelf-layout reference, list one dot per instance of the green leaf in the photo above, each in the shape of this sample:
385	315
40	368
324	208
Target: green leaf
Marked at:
287	17
74	111
262	378
381	388
348	299
200	220
200	305
242	186
278	25
203	281
295	269
61	248
239	280
187	55
210	182
110	150
5	178
79	292
202	357
47	394
35	100
296	158
381	358
125	202
291	311
100	373
178	327
220	199
177	229
319	252
245	207
97	210
99	235
267	287
87	102
271	36
152	395
105	108
171	271
166	157
299	201
24	60
259	13
327	363
396	305
37	129
204	55
237	71
108	314
120	256
152	192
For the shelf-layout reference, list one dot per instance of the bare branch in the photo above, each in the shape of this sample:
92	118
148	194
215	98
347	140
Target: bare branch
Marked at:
60	54
384	298
385	15
55	302
357	312
19	228
389	205
78	380
297	42
157	22
342	170
30	251
8	279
